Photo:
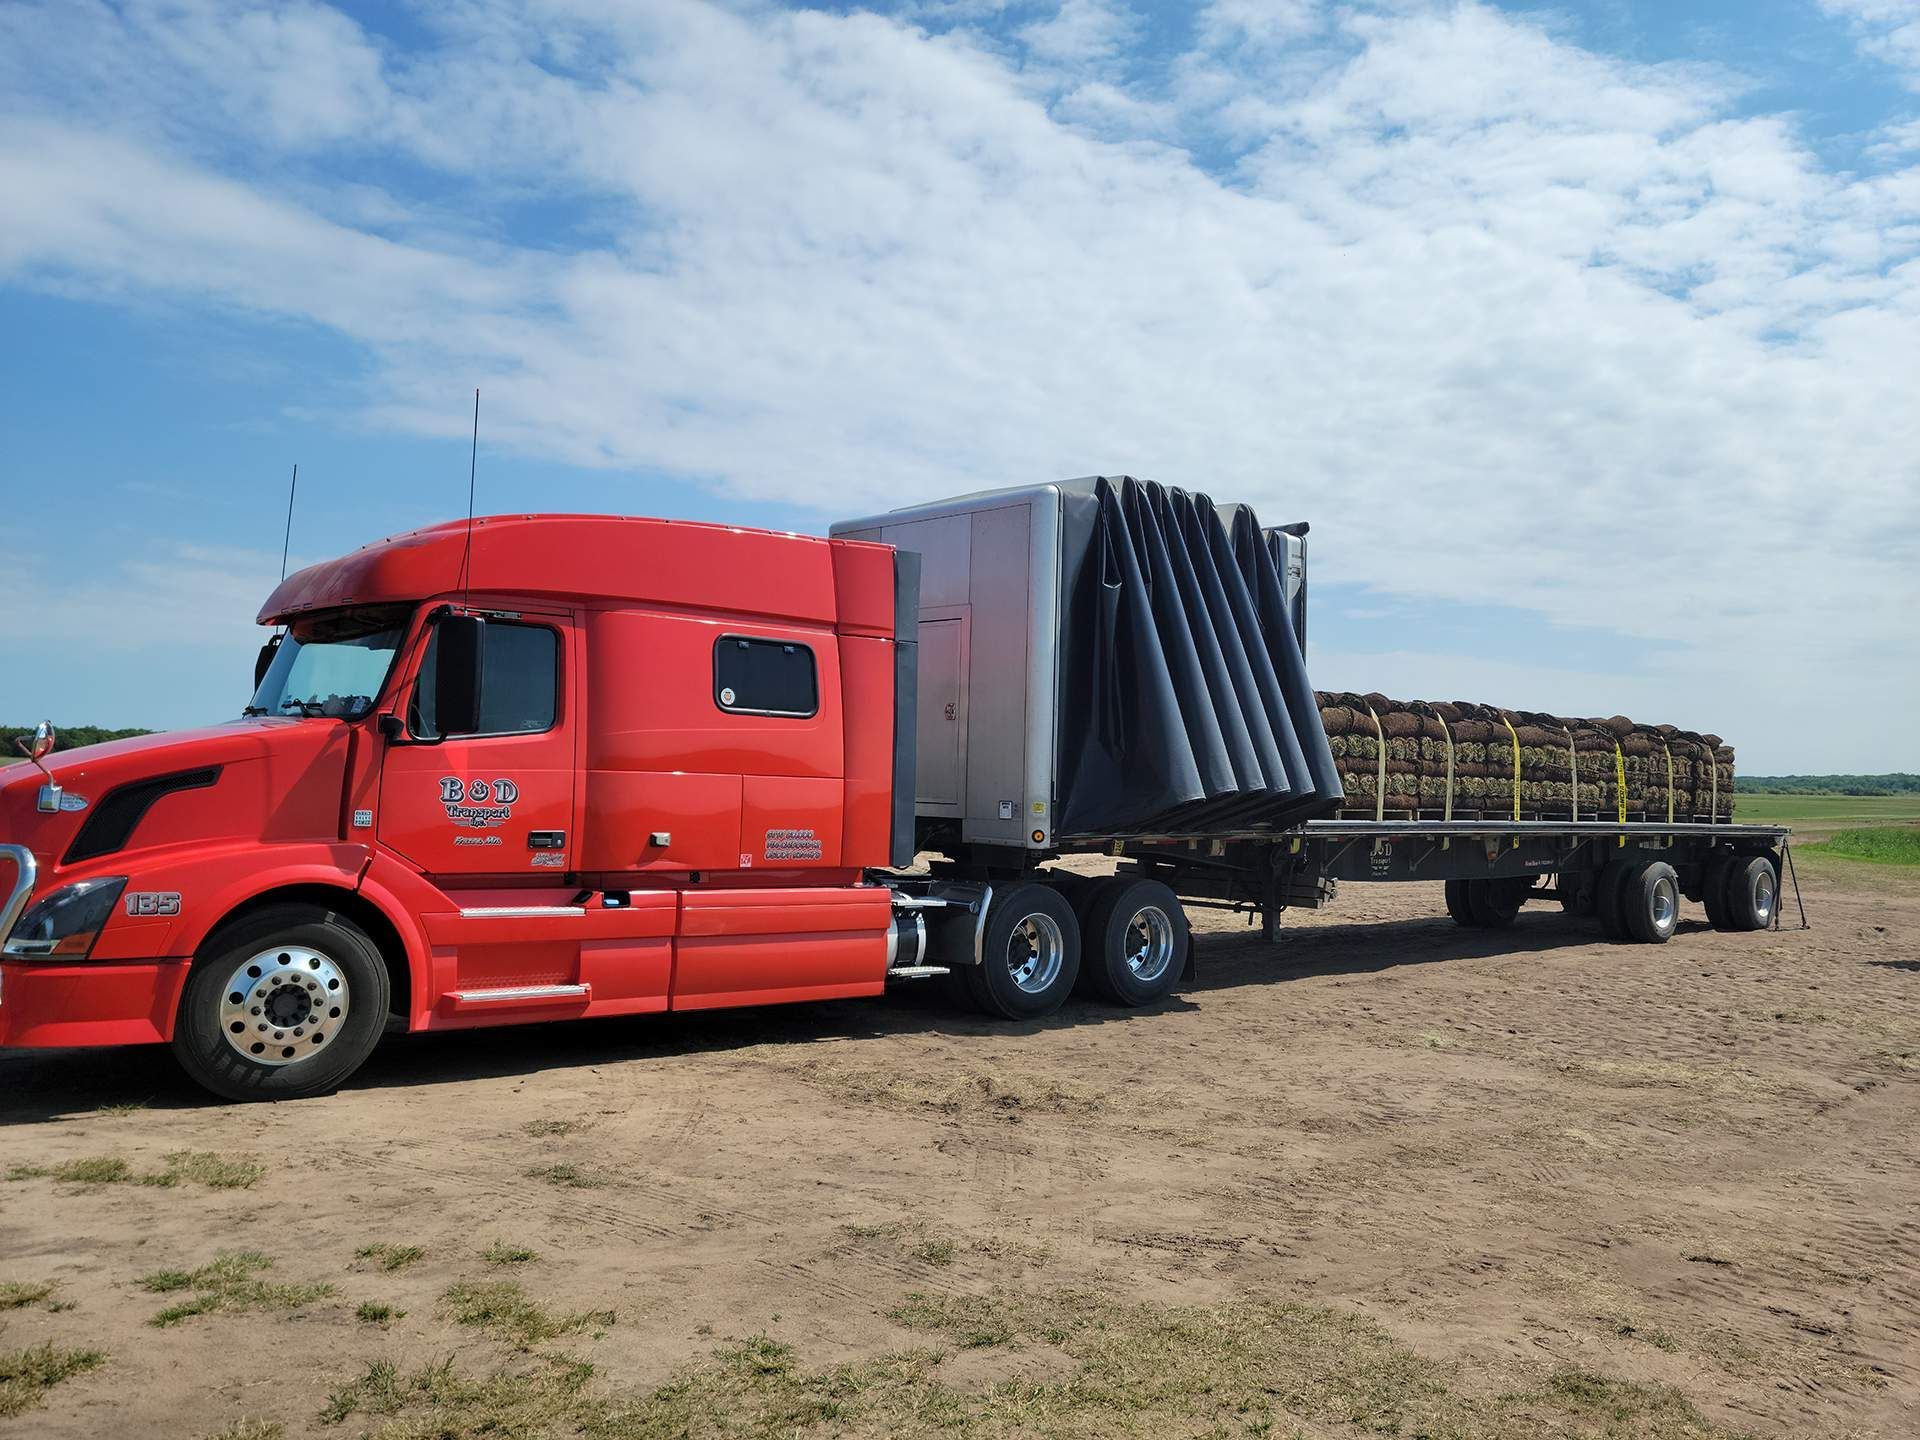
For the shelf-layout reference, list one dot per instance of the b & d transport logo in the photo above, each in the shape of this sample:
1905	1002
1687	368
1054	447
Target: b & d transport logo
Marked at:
478	803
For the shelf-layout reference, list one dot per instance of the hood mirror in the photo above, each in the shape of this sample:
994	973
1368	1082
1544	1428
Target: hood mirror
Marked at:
42	742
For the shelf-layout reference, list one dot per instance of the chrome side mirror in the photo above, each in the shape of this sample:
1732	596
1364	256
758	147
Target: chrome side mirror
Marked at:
42	742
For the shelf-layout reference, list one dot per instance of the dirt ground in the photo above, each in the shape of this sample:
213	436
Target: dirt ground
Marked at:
1391	1176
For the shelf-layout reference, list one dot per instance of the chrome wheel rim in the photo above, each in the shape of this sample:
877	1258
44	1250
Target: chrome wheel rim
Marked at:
1035	952
1149	943
284	1004
1763	896
1666	907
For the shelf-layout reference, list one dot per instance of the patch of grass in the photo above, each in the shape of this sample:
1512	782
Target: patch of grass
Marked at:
501	1253
203	1167
99	1170
937	1251
1237	1369
1879	845
972	1322
228	1282
15	1294
389	1257
375	1313
551	1127
121	1107
570	1176
27	1375
1646	1334
503	1309
1009	1096
249	1430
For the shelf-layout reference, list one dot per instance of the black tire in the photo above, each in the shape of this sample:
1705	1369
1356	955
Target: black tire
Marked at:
1135	943
1576	892
1713	890
1608	898
1052	943
1457	903
280	942
1494	903
1650	902
1752	892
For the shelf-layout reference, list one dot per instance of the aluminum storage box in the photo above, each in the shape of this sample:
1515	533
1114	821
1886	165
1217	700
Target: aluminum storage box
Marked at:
1106	658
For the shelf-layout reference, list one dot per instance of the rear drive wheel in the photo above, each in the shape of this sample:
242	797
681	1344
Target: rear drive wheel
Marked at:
1494	903
1651	903
1753	889
1136	943
285	1004
1029	954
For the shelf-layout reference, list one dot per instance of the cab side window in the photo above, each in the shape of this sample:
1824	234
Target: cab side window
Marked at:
519	682
764	677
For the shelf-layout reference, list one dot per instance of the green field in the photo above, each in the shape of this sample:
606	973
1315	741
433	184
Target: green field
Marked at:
1827	812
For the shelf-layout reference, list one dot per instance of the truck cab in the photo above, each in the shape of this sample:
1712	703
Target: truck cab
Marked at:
538	767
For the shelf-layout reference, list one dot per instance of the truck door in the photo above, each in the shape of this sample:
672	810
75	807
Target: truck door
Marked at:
497	803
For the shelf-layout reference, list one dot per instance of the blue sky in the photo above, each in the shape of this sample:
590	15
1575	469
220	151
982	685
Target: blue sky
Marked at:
1585	335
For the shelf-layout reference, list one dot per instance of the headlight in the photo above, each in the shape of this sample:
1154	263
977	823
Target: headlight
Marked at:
64	924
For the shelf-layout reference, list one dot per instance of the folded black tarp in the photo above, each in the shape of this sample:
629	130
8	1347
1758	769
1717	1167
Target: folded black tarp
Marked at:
1184	705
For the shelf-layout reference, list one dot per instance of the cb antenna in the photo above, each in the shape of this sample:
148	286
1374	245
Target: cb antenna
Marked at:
473	461
287	540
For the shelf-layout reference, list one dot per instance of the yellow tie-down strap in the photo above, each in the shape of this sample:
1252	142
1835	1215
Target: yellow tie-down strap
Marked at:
1573	775
1669	749
1620	787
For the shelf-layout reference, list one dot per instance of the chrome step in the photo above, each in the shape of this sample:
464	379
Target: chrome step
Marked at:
516	912
522	992
917	972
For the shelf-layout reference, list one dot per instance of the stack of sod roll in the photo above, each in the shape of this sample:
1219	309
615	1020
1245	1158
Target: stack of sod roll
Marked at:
1453	757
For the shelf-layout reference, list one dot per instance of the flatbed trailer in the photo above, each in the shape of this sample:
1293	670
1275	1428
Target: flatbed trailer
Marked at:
1504	863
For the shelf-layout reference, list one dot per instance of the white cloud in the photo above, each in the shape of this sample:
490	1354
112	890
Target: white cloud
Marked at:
1081	32
1889	29
1513	323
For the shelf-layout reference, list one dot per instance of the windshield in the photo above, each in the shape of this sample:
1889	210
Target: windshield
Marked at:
332	664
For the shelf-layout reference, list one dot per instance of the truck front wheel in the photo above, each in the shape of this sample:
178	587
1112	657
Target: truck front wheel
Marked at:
1029	954
286	1003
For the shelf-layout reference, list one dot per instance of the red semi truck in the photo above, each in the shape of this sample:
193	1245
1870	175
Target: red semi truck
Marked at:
541	767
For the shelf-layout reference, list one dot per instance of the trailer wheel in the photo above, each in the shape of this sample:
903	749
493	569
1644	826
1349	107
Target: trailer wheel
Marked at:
1609	898
1713	890
1136	943
1650	902
1029	954
1457	905
284	1004
1753	889
1576	891
1494	903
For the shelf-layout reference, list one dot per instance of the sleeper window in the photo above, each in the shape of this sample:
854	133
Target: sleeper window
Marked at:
764	677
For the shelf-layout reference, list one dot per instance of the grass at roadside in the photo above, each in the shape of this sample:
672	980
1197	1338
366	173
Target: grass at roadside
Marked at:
1876	845
199	1167
1108	1366
228	1282
504	1310
389	1257
27	1375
